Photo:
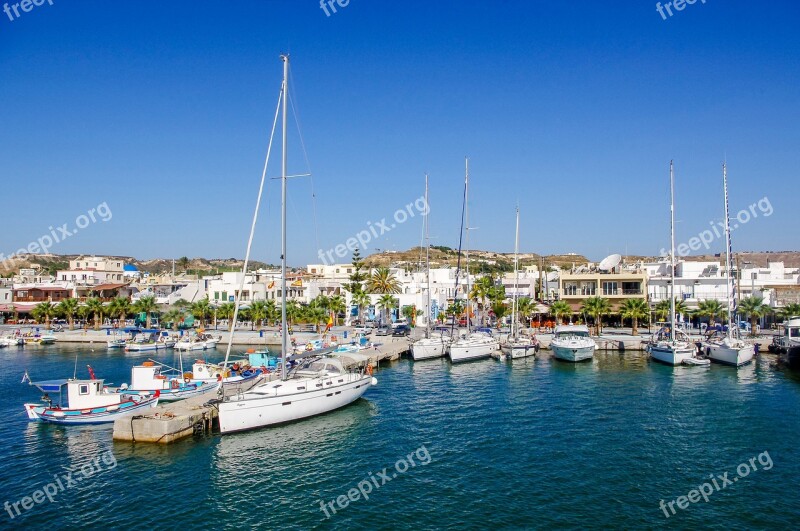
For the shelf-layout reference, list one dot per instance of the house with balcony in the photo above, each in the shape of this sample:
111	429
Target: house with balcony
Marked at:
617	284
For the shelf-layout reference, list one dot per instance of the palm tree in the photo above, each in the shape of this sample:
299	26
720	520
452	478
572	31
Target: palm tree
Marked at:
173	316
525	307
597	307
83	312
456	309
95	307
500	309
225	311
258	312
386	303
662	308
754	308
361	300
710	308
44	310
382	282
337	305
293	311
481	291
68	308
560	309
789	311
634	309
201	310
271	311
181	304
120	306
316	315
148	306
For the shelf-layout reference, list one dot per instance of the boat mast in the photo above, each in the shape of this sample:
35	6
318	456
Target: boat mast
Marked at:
284	327
516	281
672	253
466	227
731	291
427	261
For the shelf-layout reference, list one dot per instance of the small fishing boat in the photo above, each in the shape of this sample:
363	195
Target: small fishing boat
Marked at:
34	337
237	375
118	340
787	344
573	343
149	340
171	385
87	402
199	341
11	341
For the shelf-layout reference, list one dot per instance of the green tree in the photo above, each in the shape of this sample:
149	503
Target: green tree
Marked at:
525	308
635	310
148	306
316	315
754	308
96	309
258	312
383	282
44	311
358	276
337	305
202	310
120	307
710	308
560	309
273	313
387	302
789	311
181	304
597	307
183	263
293	311
225	311
411	313
662	308
69	308
480	292
361	300
500	309
173	316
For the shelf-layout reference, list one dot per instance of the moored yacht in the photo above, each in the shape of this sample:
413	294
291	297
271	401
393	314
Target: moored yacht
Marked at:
572	343
473	346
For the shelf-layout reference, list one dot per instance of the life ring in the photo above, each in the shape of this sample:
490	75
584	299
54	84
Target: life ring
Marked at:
175	384
369	370
186	380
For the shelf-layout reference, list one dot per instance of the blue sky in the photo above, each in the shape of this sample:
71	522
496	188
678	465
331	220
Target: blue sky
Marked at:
572	110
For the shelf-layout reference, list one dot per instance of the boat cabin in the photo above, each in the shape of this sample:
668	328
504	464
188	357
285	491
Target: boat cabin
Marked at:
80	393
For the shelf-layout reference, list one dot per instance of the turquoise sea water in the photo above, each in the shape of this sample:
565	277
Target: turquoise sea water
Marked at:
533	444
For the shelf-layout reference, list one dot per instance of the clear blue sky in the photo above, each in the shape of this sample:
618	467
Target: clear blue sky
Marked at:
571	109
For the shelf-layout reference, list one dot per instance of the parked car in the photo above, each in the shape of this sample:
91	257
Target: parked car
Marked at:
365	330
383	331
402	330
400	322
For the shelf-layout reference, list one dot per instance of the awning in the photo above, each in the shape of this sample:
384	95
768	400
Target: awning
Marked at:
50	386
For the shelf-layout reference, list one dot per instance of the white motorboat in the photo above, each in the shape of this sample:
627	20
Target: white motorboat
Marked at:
314	386
151	376
11	341
149	340
572	343
728	348
199	341
787	344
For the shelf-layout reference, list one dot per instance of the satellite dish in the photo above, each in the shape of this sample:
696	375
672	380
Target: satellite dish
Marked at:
610	262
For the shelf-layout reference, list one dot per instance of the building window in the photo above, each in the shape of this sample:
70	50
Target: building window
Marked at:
216	295
609	288
571	289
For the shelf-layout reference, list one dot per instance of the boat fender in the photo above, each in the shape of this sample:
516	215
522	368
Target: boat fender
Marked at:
219	377
369	370
186	380
264	370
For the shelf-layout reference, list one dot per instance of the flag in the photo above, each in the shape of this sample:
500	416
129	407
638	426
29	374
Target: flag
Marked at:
297	283
271	285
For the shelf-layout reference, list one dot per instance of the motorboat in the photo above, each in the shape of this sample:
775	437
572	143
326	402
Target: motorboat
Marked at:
149	340
787	344
152	376
573	343
199	341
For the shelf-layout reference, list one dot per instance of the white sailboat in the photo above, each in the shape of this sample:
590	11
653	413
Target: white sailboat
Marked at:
472	345
430	346
516	346
728	348
316	384
665	346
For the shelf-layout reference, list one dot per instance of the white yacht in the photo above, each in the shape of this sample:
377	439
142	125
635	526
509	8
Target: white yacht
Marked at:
728	348
199	341
473	346
316	384
572	343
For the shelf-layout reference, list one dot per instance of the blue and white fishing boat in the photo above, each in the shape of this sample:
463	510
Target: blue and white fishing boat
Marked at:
171	385
87	402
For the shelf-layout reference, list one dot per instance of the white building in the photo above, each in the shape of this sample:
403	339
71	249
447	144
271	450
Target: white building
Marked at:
93	271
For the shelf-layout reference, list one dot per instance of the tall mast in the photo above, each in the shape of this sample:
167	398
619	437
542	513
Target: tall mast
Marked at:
516	280
672	253
728	251
427	261
284	327
466	226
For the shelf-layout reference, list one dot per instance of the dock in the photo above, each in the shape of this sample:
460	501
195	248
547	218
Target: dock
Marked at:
173	421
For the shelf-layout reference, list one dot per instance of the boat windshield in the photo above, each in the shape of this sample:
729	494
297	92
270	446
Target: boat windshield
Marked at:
794	332
573	333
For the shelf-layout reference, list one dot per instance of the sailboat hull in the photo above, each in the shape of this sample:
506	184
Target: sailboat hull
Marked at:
428	349
252	413
670	355
730	355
